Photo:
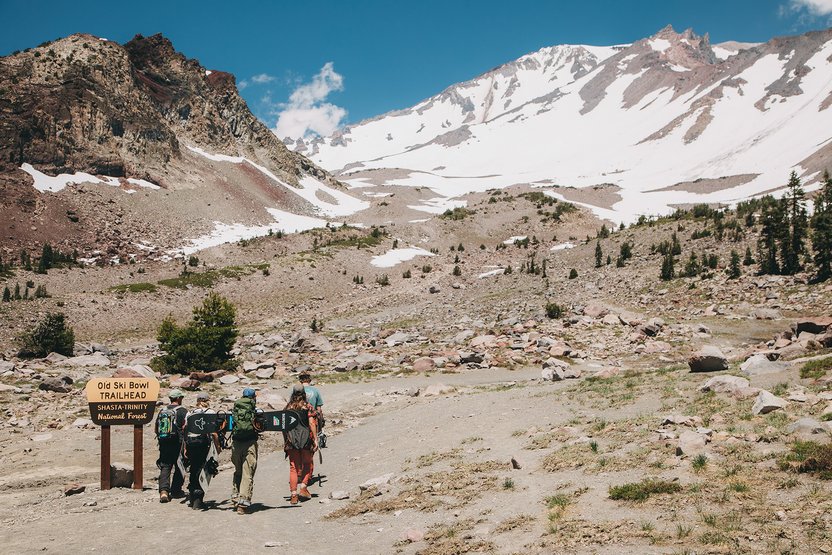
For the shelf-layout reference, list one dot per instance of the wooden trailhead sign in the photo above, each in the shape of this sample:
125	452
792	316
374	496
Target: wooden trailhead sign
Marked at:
122	402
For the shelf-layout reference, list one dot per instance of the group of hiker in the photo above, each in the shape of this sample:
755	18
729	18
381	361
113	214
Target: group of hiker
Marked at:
181	447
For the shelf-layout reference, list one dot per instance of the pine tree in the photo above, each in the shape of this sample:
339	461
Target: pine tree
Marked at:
17	296
676	247
668	271
822	230
749	258
692	267
793	234
734	270
599	254
773	221
7	295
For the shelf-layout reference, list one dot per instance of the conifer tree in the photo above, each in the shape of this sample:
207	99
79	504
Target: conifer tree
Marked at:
734	270
692	267
822	230
7	295
17	296
668	272
772	218
749	258
793	234
599	254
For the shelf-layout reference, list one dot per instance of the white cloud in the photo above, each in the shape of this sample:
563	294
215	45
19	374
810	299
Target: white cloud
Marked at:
307	112
262	78
242	85
814	7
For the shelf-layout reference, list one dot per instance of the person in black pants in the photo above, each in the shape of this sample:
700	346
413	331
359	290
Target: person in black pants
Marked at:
170	425
197	447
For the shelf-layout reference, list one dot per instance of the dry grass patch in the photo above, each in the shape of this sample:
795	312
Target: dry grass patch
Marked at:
811	457
519	522
454	539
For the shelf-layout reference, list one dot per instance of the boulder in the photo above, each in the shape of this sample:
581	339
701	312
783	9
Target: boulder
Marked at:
806	426
652	347
382	480
95	359
433	289
135	371
55	358
465	357
767	402
766	314
413	535
201	376
594	310
339	495
484	341
552	362
57	385
732	385
463	336
83	423
423	364
264	373
759	365
436	389
708	359
398	338
812	325
229	379
249	366
121	475
690	444
74	489
556	373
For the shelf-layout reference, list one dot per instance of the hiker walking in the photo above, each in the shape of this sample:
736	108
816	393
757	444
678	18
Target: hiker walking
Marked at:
300	445
197	447
316	401
243	450
170	424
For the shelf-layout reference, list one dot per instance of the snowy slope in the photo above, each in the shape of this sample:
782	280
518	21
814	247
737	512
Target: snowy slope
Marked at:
658	114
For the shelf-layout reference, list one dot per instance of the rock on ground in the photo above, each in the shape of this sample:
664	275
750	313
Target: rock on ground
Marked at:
708	359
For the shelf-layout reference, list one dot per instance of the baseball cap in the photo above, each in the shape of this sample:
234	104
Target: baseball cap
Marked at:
248	392
202	396
298	388
176	394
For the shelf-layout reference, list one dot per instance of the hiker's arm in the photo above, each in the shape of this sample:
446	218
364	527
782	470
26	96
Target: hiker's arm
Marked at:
313	431
215	437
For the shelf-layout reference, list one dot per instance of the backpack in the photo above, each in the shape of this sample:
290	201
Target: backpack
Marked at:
166	424
300	437
196	439
242	418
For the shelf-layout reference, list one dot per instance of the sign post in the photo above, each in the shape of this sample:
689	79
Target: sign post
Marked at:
122	402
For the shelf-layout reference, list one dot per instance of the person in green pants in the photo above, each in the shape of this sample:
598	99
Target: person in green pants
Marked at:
244	450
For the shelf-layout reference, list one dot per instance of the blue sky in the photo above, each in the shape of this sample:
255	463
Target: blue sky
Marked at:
345	61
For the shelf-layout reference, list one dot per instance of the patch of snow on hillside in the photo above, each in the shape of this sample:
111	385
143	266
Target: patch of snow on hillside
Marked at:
229	233
659	45
46	183
438	205
723	53
396	256
490	273
563	246
511	240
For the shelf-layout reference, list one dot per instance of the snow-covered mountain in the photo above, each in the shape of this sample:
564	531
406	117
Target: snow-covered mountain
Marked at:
667	120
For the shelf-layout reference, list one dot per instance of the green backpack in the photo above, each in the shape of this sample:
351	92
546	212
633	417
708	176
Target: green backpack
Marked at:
242	418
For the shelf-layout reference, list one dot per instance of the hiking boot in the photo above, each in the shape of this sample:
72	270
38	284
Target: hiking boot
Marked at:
294	499
197	504
164	497
242	509
304	494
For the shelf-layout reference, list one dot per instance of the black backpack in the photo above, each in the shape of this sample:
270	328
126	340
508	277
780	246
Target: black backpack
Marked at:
300	437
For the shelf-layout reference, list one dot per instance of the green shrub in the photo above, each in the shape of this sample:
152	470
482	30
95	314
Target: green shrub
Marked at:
134	288
553	311
816	369
639	491
573	273
51	335
204	344
809	456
